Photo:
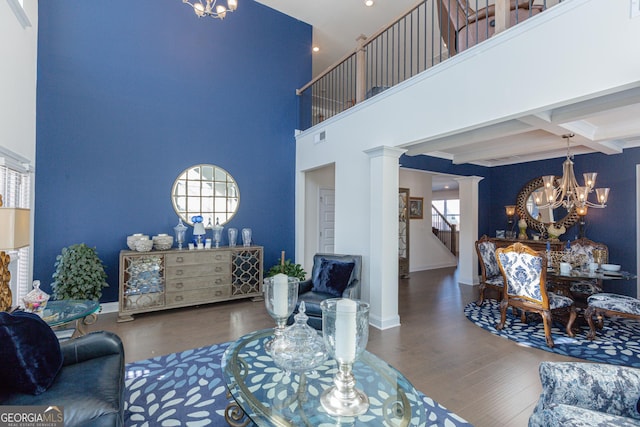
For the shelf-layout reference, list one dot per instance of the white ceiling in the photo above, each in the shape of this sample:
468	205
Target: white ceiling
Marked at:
338	23
607	124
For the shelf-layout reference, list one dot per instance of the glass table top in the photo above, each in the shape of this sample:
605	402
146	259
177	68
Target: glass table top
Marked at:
59	312
271	397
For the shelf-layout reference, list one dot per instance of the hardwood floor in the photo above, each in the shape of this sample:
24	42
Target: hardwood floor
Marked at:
485	379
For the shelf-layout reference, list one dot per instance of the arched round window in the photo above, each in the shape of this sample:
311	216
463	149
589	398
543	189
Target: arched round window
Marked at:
208	191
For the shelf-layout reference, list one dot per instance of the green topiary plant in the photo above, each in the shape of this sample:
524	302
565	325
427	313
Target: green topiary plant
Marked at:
288	268
79	274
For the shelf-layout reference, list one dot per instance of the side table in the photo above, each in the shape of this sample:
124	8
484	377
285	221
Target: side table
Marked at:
265	394
60	313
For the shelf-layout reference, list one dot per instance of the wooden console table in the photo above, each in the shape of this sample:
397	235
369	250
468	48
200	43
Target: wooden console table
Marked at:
160	280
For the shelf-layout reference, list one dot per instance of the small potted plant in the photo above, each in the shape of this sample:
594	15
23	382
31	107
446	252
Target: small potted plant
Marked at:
79	274
288	268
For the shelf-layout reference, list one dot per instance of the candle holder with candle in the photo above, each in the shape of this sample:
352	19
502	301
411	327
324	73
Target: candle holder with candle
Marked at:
345	328
280	298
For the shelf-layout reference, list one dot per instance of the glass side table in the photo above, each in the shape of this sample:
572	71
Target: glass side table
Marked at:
266	395
60	313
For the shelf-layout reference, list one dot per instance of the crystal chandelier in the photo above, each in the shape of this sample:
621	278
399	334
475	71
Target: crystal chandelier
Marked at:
566	192
209	8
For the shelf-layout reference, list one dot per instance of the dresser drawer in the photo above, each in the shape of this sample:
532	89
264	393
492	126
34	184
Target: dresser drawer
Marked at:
198	296
211	269
191	283
196	257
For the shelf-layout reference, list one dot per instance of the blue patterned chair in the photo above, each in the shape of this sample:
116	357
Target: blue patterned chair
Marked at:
524	275
599	305
584	246
491	276
587	394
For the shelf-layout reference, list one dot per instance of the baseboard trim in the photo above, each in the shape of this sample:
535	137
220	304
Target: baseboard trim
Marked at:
109	307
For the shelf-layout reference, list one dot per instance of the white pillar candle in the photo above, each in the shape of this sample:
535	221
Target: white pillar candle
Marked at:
346	310
280	295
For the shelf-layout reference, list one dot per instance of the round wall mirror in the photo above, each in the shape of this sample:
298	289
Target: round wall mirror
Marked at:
539	219
208	191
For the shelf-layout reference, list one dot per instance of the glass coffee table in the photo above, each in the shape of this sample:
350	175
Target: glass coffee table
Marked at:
265	394
61	313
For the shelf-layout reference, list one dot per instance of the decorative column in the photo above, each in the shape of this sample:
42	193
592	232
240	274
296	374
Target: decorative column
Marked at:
383	255
467	258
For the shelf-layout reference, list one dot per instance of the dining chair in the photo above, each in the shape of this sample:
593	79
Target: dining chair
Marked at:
524	271
491	276
584	246
462	27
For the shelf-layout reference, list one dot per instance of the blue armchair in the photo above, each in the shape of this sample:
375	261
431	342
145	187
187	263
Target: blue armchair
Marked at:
587	394
332	276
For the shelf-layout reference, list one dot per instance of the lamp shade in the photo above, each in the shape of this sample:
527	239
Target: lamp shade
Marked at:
14	228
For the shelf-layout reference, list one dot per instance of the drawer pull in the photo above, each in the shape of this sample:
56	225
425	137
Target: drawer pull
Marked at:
218	269
179	285
179	272
218	281
218	257
179	298
179	259
218	293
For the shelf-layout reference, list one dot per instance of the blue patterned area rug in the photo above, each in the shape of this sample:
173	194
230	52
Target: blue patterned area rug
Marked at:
187	389
618	342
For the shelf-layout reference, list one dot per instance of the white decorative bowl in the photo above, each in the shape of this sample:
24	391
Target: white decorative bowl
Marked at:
610	267
131	240
162	242
144	245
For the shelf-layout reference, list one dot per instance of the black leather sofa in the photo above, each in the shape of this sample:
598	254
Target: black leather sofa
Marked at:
90	384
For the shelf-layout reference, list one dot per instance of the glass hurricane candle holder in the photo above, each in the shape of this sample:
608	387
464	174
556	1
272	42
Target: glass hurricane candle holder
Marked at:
280	298
217	233
345	329
233	236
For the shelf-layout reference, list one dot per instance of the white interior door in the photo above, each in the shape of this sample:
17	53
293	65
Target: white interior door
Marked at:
327	218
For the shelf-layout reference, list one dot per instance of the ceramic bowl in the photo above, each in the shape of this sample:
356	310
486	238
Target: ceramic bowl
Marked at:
162	242
131	240
610	267
144	245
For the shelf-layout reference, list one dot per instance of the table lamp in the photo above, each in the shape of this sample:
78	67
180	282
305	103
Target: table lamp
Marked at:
14	234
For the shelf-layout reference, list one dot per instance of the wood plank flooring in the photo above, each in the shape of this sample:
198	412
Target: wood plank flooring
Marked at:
485	379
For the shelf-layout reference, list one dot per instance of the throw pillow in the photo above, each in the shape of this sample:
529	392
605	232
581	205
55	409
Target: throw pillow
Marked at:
334	277
30	353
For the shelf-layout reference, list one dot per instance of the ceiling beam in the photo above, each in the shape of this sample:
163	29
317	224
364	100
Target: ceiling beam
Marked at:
591	107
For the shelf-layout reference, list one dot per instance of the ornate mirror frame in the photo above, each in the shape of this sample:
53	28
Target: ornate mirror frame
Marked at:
521	209
205	190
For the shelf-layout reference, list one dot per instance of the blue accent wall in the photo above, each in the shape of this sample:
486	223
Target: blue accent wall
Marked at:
614	225
130	93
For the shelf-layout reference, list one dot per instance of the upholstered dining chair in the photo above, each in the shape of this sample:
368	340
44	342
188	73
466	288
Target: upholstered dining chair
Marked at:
584	246
491	276
462	27
524	271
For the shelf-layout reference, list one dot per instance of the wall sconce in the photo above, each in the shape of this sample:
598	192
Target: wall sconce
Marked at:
14	234
582	212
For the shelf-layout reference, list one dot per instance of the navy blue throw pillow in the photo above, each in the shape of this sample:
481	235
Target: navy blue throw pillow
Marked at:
29	351
334	277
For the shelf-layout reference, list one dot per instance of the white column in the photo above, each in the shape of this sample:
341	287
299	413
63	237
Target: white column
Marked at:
383	255
467	258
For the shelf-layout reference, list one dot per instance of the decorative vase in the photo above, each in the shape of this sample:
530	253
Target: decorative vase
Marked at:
246	237
522	225
345	328
233	236
280	298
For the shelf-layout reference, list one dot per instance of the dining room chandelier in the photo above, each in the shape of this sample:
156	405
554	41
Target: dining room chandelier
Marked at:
211	8
566	192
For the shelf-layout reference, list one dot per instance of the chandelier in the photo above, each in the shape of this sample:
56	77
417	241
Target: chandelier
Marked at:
209	8
566	192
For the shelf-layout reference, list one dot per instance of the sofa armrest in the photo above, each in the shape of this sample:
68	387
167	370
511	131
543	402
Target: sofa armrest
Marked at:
91	346
305	286
605	388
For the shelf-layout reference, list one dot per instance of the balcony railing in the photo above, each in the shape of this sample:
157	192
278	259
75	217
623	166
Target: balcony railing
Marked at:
426	35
